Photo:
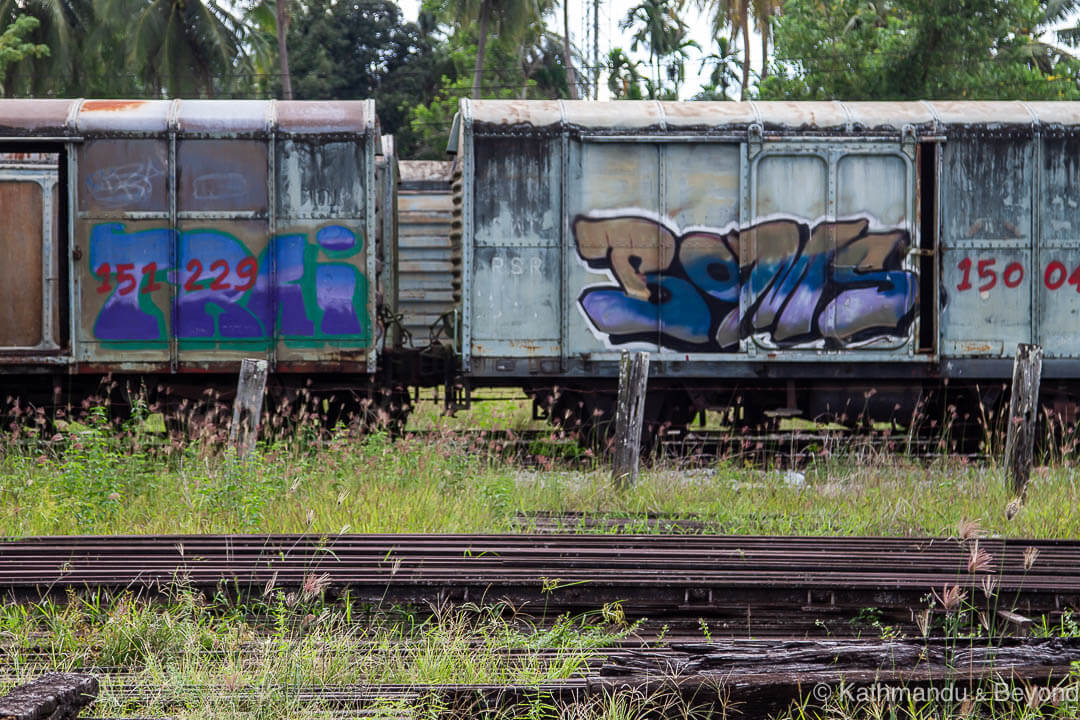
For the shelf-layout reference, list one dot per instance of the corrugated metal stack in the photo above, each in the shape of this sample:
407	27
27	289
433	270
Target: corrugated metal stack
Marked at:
429	260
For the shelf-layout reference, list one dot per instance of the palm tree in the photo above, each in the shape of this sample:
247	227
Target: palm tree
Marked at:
679	54
624	77
511	18
737	15
722	74
571	81
281	14
660	29
764	11
180	45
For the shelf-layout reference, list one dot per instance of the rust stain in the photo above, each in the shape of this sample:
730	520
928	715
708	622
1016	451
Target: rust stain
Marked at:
111	105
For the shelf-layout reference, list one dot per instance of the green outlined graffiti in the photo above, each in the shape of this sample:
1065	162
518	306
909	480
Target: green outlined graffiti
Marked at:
222	294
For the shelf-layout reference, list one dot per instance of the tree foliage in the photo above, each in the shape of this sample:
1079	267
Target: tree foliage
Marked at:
14	48
909	49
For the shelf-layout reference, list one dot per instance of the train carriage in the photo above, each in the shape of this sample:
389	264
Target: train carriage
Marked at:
832	260
176	237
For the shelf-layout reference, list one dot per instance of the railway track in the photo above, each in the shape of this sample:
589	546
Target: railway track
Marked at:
785	448
756	677
745	585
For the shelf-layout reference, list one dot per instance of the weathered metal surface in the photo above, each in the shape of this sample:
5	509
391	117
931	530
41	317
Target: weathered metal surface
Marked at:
224	117
29	250
115	117
21	263
889	116
693	248
991	114
386	181
429	261
221	175
120	177
207	239
624	117
987	188
34	117
327	117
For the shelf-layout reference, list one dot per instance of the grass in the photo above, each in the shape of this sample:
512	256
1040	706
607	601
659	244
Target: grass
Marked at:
180	656
93	478
213	658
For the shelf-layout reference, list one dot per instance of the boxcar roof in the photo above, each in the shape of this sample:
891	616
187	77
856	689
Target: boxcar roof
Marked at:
629	115
220	118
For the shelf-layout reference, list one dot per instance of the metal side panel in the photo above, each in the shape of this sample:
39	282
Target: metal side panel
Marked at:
986	258
27	252
429	261
517	243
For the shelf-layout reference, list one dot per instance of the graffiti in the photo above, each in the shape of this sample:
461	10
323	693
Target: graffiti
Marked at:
221	293
220	186
828	284
124	184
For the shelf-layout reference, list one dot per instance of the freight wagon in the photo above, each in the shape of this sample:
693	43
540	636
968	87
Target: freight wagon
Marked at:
845	261
842	261
163	241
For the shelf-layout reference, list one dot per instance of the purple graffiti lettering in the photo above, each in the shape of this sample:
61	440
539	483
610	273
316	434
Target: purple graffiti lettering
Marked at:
834	284
336	286
123	317
210	307
336	239
221	292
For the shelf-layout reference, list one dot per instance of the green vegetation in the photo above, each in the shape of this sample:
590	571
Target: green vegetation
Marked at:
513	49
92	477
922	49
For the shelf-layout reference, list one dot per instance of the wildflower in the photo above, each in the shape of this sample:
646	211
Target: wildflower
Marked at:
968	529
950	598
314	585
978	559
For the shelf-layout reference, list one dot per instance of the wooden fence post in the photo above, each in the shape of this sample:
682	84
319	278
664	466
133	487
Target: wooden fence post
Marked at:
1023	415
633	378
248	406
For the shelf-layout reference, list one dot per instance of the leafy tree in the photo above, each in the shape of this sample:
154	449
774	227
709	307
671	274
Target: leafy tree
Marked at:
62	27
724	62
660	29
185	47
352	50
14	48
907	49
624	76
509	17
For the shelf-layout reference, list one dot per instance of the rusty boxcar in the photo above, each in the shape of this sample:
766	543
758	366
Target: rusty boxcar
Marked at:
157	238
839	260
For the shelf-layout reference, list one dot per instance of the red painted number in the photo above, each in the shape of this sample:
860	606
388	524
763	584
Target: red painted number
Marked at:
965	265
125	281
248	269
1055	275
222	269
195	268
149	271
985	272
103	272
1013	275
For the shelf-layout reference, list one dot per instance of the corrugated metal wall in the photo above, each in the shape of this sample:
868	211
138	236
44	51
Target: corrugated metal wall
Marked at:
429	259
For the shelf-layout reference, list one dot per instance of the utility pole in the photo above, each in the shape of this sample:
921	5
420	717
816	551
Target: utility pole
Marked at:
596	49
